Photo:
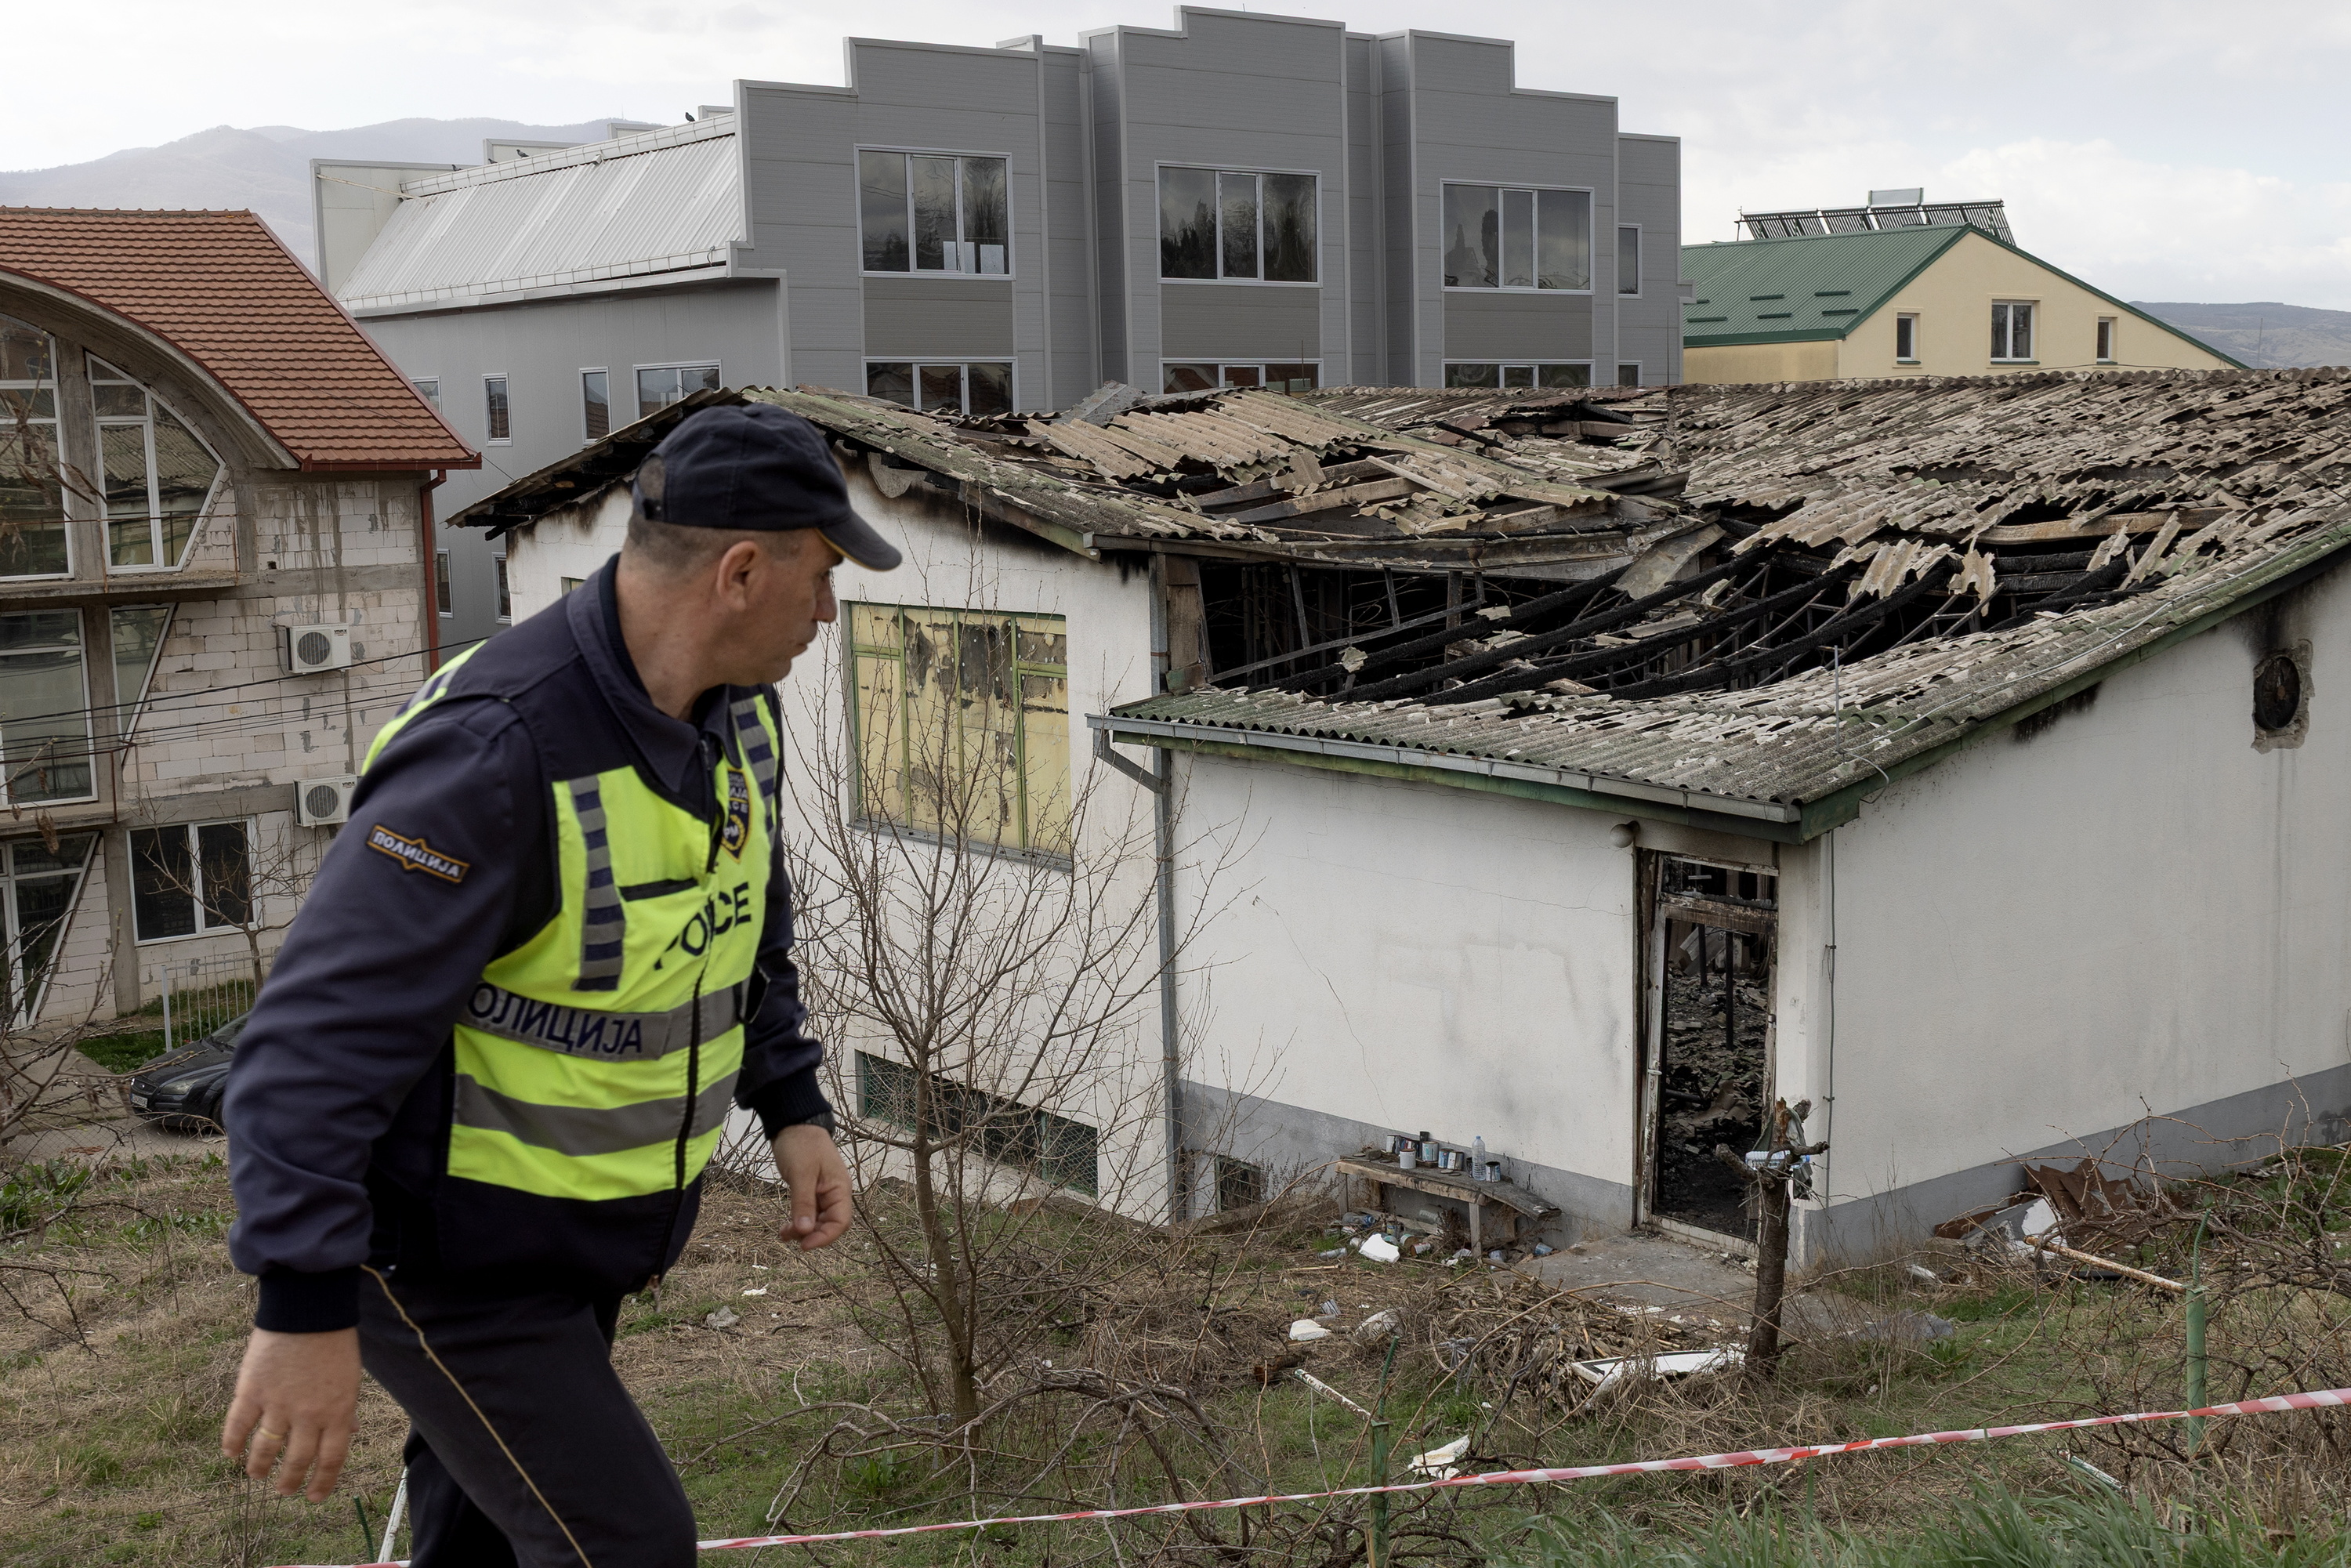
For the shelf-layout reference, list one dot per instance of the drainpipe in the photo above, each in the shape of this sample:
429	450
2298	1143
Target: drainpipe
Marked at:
1163	817
432	602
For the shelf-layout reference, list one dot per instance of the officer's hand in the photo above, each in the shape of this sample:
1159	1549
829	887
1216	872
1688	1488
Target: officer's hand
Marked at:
812	1168
296	1395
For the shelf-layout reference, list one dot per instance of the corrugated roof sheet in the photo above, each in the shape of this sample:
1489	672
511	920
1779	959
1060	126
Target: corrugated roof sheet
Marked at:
1784	291
2203	490
666	201
1239	472
219	287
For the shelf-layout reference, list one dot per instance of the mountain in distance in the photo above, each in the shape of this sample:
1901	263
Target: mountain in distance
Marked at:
266	168
2264	334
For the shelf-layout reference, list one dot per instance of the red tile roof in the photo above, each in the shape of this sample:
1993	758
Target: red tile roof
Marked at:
221	288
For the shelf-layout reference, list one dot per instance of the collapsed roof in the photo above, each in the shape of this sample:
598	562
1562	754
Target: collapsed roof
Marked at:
1246	474
1865	575
1556	483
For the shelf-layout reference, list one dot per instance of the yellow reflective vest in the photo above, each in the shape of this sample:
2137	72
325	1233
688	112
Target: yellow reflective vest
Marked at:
597	1060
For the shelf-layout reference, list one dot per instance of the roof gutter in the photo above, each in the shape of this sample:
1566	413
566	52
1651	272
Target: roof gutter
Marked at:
1769	820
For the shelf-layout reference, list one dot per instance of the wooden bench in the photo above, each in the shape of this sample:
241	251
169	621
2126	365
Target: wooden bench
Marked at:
1515	1202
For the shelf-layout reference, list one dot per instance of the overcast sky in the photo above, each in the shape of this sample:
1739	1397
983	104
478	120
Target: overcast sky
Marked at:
2161	149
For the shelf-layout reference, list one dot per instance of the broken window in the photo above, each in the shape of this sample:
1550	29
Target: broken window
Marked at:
658	386
1708	1081
32	489
973	387
2012	330
1189	377
1498	238
1239	1185
1062	1151
1558	374
922	212
158	476
1233	224
963	724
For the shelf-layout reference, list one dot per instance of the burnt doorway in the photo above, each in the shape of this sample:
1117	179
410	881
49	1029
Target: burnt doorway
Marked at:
1708	1057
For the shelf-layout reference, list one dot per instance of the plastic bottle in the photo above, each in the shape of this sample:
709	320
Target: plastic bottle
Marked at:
1478	1158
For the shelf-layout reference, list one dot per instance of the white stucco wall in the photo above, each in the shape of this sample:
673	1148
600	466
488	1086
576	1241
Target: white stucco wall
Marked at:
2042	941
1405	957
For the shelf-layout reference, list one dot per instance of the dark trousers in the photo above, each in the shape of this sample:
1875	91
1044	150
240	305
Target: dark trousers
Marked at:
525	1449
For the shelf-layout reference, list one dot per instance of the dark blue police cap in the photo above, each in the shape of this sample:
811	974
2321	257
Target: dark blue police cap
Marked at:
760	469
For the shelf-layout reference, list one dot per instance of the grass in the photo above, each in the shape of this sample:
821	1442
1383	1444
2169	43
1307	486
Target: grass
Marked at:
111	1390
125	1052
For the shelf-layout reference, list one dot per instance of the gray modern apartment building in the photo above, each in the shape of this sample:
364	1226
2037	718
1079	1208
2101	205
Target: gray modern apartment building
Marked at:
1243	199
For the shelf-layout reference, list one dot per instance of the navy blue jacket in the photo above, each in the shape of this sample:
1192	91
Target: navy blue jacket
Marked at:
339	1093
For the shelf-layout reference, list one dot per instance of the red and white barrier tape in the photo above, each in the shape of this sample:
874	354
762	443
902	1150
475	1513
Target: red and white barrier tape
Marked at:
2319	1400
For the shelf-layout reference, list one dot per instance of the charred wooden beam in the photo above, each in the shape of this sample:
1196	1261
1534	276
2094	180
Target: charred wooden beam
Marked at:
1477	663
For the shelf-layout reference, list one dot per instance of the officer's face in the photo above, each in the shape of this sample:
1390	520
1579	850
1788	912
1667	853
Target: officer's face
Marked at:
779	590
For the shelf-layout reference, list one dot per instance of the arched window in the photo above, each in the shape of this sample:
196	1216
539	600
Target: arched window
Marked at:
32	481
157	477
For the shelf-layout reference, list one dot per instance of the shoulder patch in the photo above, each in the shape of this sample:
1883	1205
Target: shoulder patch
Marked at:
415	854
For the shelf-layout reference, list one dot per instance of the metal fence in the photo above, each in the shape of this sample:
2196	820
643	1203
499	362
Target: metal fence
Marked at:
202	994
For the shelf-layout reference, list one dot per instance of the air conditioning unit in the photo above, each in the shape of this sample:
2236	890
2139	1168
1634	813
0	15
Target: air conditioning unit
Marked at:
322	802
326	646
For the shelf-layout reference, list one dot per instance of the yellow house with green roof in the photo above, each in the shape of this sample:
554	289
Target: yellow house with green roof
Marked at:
1923	301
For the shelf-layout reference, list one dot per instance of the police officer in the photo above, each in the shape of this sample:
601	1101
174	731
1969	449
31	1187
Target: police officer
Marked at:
547	956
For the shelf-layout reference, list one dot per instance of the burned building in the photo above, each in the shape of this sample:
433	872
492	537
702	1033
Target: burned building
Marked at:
1605	765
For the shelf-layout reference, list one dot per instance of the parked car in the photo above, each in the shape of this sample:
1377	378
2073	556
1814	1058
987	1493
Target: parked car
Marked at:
182	1091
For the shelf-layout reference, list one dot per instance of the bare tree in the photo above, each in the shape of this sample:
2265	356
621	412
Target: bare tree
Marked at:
978	933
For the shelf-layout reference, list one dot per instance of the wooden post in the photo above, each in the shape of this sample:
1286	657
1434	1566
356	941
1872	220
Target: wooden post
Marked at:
1771	1184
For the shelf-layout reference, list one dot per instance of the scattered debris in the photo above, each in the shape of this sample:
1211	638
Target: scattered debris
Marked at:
1380	1250
1607	1373
1308	1329
1372	1330
723	1318
1439	1464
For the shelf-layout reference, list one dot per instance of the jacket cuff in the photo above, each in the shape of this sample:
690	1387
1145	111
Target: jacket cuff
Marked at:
308	1303
791	1101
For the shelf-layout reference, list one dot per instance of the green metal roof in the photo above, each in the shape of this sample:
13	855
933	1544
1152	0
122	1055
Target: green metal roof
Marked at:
1818	287
1812	289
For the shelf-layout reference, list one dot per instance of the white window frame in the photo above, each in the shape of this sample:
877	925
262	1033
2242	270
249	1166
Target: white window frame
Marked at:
54	420
2032	330
445	585
636	392
1499	186
1640	248
1637	373
1912	318
2110	329
505	383
1225	365
962	362
857	194
432	397
1504	367
587	439
196	869
29	1003
88	740
122	377
1220	280
501	588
